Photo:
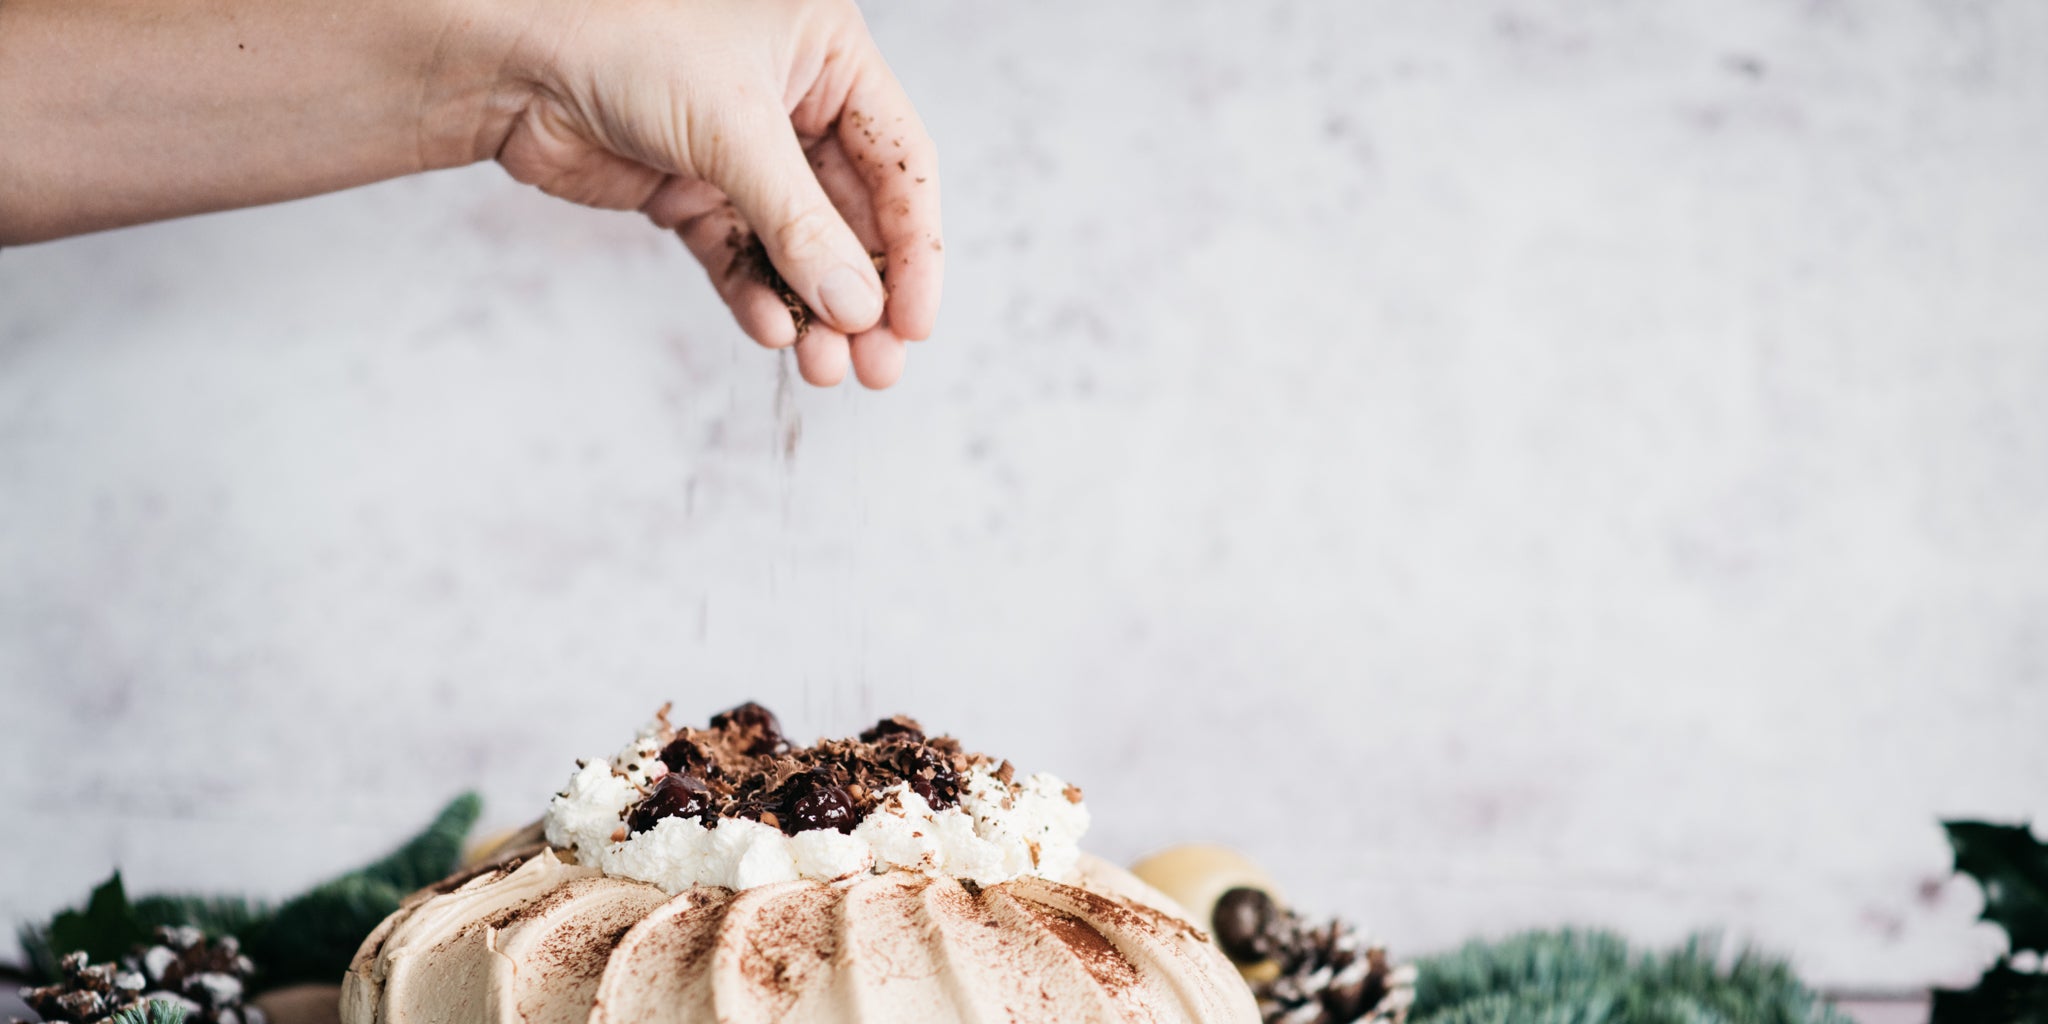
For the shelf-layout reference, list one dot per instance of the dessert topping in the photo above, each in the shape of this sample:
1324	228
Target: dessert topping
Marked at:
743	767
737	804
674	795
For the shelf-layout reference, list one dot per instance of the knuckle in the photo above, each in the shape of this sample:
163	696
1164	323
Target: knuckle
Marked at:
843	9
806	229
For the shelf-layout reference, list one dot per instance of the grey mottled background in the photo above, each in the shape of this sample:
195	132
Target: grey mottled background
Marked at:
1502	463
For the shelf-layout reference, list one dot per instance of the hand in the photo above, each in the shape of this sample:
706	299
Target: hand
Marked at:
726	119
717	118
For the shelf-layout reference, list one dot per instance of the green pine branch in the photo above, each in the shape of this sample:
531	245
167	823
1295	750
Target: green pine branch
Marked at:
1592	977
155	1011
104	928
310	937
313	936
431	855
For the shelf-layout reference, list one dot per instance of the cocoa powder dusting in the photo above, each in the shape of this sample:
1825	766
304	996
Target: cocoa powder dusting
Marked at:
1104	962
788	944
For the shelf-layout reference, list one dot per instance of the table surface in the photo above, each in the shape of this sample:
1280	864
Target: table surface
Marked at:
1864	1010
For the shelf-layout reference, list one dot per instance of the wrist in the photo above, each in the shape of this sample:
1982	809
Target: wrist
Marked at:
479	77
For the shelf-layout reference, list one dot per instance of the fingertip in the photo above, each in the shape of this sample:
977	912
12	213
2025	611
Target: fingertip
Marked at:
914	296
822	357
771	183
878	358
850	298
764	317
911	322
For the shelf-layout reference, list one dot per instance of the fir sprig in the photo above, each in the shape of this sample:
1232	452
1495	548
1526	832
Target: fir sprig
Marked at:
110	924
313	936
155	1011
104	929
1591	977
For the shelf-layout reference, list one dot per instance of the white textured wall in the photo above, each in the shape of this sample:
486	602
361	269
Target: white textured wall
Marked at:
1505	464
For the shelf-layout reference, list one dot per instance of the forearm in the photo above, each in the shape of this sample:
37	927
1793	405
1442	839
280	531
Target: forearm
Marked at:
116	112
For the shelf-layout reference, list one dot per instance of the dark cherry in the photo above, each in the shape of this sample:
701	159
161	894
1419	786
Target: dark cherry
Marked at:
814	801
674	795
684	755
897	729
930	776
757	725
1243	920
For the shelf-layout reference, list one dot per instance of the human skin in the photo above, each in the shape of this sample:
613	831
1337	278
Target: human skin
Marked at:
709	116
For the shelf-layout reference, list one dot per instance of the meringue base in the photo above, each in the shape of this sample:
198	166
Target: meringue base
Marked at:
538	940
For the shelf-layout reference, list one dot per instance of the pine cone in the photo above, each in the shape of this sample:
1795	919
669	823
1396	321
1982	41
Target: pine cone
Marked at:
87	991
1329	974
207	979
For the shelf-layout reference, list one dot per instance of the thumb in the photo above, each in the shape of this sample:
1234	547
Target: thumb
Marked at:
763	169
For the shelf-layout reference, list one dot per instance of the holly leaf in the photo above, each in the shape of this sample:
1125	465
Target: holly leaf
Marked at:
2002	996
2012	867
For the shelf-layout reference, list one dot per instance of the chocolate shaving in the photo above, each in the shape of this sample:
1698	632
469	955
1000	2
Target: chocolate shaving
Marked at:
748	769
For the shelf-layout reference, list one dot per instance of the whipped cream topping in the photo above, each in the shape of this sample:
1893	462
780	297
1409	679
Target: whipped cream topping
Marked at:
997	828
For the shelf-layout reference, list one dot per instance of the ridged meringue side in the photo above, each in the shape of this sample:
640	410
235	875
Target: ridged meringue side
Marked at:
444	945
551	957
547	942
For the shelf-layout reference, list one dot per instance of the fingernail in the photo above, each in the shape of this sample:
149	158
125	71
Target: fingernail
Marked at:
849	300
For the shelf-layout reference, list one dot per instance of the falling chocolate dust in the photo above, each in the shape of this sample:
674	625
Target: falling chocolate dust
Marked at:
789	422
750	257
